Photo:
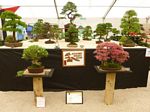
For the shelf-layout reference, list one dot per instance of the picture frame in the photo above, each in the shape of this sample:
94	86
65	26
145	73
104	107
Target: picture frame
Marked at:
74	97
73	57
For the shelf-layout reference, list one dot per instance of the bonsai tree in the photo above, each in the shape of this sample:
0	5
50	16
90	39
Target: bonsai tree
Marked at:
34	53
130	23
12	20
115	36
100	31
54	33
72	33
38	28
70	11
87	33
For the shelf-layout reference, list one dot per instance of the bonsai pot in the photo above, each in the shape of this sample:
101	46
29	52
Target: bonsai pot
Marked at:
99	41
72	45
129	45
1	43
49	42
36	70
15	44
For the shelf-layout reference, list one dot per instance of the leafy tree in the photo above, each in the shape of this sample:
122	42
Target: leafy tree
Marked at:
87	33
72	33
38	28
115	31
12	20
70	10
130	23
103	29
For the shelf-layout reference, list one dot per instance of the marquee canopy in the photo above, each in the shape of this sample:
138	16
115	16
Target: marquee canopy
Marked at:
88	8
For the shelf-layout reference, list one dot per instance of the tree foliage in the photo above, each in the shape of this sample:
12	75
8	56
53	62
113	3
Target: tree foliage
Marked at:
12	20
70	10
130	23
87	33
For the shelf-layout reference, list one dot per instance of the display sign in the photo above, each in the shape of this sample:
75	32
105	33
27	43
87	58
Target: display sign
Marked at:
74	97
73	57
40	101
147	52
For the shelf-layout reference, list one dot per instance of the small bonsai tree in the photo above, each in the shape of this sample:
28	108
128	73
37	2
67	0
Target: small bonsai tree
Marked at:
87	33
72	32
54	33
38	28
130	23
115	36
12	20
70	10
34	53
100	31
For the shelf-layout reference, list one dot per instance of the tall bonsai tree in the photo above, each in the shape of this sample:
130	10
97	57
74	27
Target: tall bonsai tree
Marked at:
70	11
130	23
12	20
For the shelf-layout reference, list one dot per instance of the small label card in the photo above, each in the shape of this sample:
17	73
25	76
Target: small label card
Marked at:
74	97
147	52
40	101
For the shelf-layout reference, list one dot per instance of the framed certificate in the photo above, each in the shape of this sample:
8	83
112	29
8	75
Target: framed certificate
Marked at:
73	57
74	97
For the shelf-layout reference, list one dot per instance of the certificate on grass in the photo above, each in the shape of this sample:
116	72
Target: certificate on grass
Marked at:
73	57
74	97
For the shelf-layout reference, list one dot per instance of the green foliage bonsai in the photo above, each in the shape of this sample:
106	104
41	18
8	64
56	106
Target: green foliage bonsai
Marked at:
126	42
130	23
38	28
72	32
34	53
115	36
102	30
87	33
54	33
70	11
12	20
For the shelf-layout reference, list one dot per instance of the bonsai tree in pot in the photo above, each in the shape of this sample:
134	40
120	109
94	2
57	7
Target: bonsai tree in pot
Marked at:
72	33
115	36
100	31
34	53
111	55
87	33
54	33
130	24
38	29
70	11
12	20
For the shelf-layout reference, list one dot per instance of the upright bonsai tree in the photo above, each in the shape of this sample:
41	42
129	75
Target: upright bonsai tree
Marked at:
12	20
130	23
72	32
87	33
70	10
38	28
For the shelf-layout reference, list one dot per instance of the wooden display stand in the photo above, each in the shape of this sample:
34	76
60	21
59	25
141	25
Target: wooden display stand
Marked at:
110	82
38	81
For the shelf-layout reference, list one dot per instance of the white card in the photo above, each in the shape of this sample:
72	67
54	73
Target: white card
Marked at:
40	101
147	52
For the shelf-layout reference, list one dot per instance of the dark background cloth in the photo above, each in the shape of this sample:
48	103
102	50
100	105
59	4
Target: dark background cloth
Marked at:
71	78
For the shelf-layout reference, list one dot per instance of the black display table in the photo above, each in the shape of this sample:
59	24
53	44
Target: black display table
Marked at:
79	78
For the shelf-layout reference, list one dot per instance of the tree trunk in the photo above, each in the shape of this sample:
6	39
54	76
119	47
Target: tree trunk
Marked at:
14	36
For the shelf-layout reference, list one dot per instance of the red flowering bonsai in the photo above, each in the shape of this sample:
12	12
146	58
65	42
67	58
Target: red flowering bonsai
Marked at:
111	55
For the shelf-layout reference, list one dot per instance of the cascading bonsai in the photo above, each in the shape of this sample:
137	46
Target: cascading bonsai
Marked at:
34	53
12	20
70	11
87	33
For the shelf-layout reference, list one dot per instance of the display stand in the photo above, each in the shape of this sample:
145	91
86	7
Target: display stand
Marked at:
110	82
38	81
